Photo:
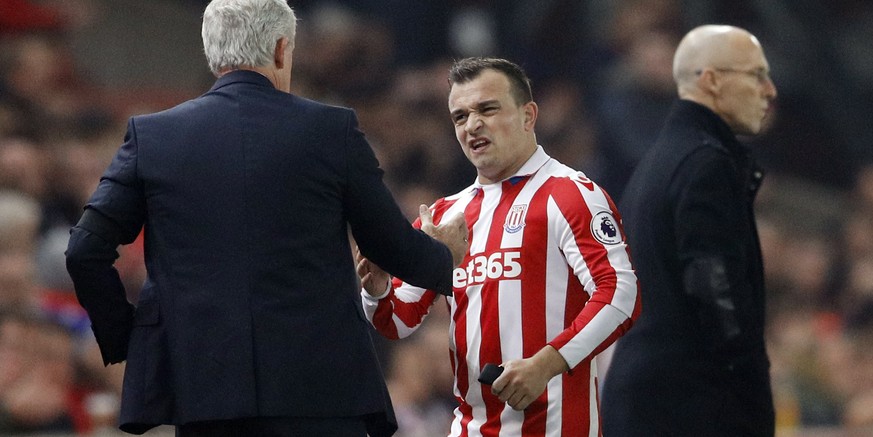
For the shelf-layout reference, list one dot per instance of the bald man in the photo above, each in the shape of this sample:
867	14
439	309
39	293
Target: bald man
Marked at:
695	363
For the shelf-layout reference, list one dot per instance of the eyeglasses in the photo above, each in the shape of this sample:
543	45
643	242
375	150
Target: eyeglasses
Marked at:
760	74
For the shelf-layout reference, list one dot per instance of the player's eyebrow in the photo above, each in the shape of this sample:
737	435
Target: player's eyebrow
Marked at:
477	106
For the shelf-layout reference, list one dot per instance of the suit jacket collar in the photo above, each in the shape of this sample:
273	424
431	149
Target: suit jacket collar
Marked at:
242	76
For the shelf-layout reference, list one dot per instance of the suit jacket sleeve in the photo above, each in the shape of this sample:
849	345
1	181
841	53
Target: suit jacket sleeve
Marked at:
114	215
709	218
382	232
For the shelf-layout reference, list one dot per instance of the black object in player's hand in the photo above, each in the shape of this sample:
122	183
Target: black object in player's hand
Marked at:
489	373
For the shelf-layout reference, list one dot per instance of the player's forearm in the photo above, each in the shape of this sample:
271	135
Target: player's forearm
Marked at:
593	330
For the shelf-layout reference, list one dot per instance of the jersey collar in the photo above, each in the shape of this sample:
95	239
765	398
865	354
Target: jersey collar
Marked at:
534	163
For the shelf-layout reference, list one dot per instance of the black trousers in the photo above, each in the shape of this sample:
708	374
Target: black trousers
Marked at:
276	427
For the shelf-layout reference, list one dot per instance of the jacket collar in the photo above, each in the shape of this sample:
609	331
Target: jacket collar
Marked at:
241	76
703	118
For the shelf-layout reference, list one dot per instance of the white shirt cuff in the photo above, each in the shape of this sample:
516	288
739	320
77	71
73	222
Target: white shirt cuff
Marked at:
368	296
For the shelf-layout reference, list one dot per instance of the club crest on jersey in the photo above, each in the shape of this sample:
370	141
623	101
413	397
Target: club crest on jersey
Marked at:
604	228
515	219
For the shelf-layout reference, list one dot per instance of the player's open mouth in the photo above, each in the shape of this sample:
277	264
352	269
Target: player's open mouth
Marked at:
478	144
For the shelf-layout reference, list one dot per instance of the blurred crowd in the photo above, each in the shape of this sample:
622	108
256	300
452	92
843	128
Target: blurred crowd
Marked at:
73	71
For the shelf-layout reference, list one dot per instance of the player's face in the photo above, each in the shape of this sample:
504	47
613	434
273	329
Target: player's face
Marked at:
744	98
495	132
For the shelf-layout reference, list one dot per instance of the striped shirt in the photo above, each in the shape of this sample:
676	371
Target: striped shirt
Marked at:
547	264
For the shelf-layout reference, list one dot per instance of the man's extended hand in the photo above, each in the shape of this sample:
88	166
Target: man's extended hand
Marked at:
452	233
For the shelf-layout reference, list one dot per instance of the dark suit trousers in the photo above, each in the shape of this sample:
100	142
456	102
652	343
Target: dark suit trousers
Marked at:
276	427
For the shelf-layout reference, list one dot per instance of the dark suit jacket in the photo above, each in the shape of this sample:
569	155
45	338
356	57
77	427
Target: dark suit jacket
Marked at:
695	363
251	307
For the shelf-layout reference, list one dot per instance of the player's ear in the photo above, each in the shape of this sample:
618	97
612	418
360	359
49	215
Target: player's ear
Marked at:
530	115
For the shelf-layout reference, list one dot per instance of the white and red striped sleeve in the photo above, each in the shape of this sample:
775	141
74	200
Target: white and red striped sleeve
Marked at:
588	230
399	313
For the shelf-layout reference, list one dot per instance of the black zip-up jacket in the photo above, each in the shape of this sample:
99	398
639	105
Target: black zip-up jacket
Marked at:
695	362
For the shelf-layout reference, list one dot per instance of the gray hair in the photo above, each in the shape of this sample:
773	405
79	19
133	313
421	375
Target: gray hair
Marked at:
243	33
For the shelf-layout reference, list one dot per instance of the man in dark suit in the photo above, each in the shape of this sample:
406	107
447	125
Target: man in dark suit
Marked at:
249	322
695	363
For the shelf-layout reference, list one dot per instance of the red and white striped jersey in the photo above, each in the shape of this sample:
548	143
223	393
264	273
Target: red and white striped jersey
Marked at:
547	264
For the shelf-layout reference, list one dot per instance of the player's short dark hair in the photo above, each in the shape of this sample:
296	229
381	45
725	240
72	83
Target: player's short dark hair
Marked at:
467	69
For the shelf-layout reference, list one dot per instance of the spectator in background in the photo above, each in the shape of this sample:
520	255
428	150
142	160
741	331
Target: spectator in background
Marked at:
344	52
637	96
38	81
24	167
417	135
19	226
696	363
855	294
36	375
544	238
858	411
567	126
